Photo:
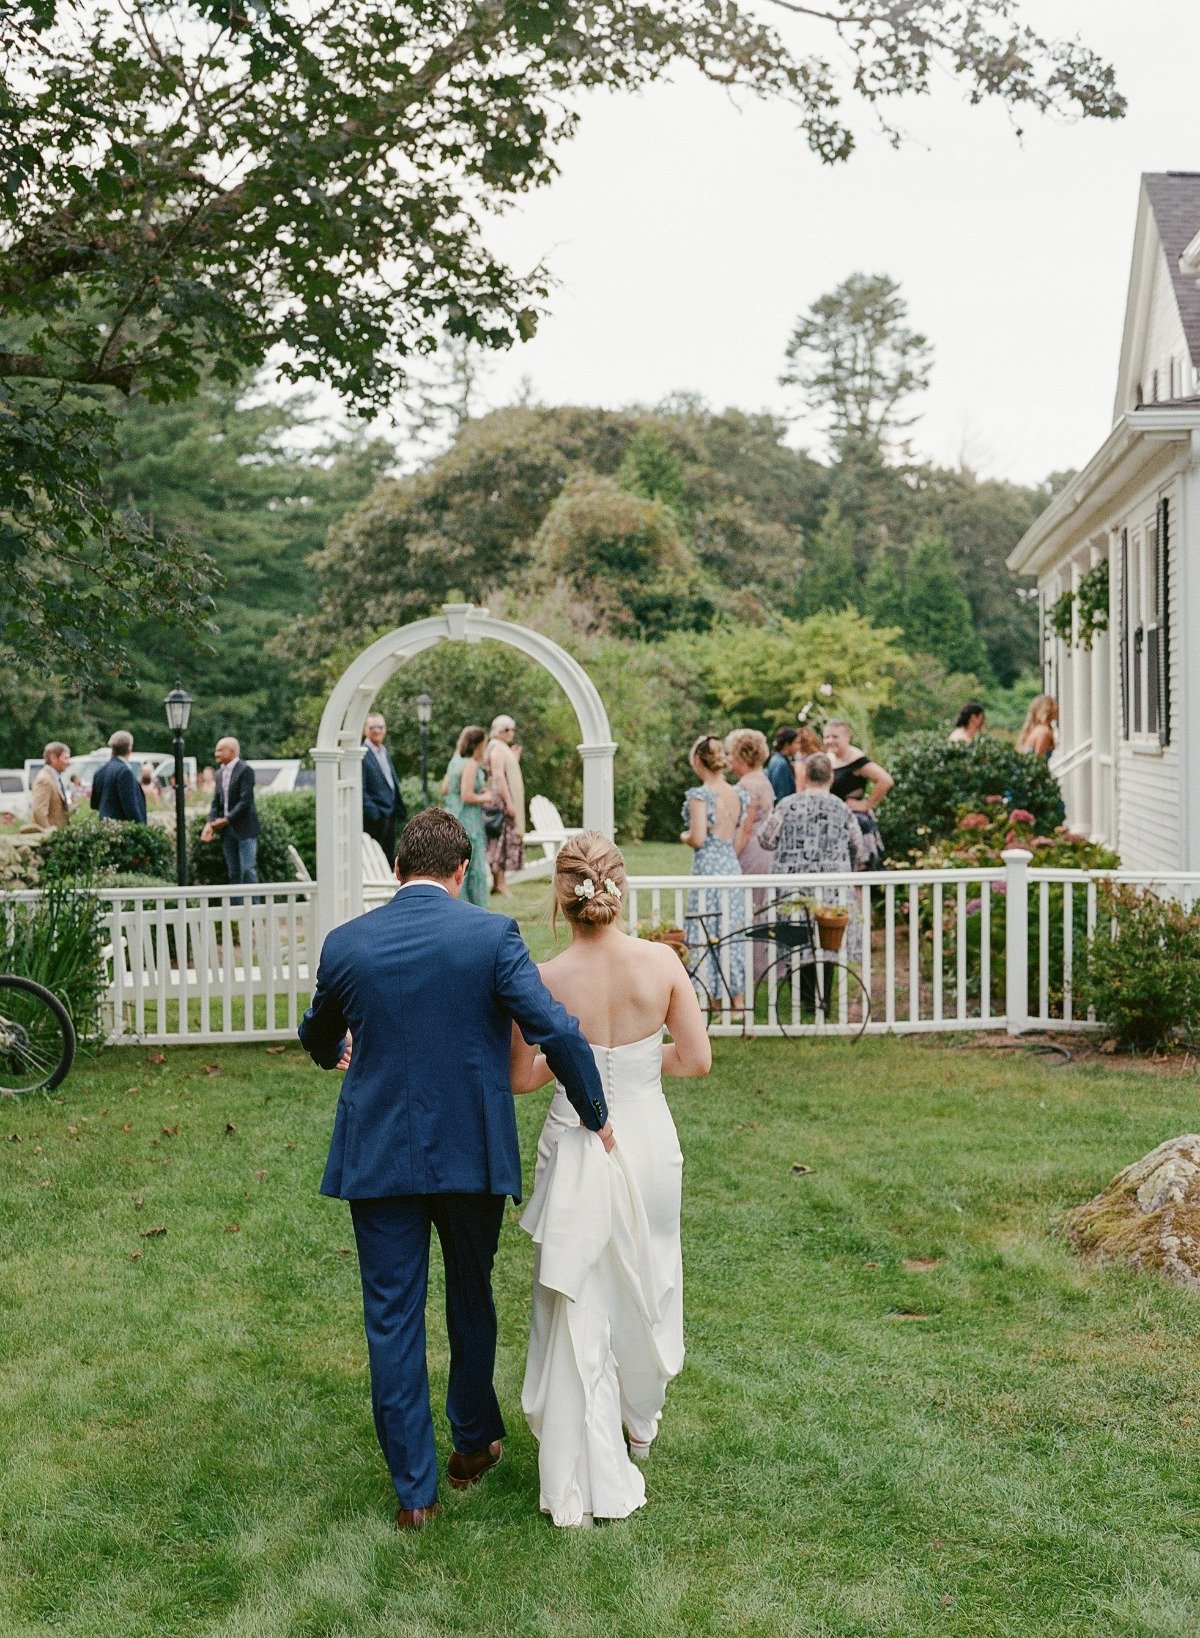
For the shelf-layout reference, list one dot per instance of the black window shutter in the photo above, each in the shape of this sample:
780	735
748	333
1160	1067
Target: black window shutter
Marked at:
1123	629
1163	578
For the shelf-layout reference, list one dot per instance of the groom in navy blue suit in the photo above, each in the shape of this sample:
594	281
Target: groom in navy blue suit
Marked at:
418	998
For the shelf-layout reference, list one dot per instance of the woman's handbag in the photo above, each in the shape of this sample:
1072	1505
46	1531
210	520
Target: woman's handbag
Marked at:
493	822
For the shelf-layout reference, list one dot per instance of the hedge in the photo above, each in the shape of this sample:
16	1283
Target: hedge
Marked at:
934	779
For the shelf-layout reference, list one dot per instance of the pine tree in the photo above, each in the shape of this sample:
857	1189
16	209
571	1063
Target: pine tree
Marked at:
828	579
936	616
883	590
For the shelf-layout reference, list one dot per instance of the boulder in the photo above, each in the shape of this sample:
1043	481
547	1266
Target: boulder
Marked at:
1149	1215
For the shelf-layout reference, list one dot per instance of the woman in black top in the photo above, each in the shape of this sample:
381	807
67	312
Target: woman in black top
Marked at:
853	771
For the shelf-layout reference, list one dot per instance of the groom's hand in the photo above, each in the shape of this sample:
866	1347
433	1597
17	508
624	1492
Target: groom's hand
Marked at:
347	1048
606	1136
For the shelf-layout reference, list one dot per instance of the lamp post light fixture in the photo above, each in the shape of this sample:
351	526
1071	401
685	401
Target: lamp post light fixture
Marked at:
179	708
424	706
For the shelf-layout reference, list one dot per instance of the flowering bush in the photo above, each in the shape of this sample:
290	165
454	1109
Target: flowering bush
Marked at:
936	783
978	842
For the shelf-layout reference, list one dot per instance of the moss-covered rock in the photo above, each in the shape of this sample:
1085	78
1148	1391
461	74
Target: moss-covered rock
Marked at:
1149	1215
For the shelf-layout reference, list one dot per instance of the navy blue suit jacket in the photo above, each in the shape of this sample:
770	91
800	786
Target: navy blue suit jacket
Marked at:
116	792
242	815
381	801
430	987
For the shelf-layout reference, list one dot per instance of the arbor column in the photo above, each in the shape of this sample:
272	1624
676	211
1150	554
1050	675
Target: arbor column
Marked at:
598	793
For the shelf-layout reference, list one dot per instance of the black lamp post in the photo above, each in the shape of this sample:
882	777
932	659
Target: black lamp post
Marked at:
179	708
424	707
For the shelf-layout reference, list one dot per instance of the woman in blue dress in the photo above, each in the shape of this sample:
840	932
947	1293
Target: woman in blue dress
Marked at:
465	787
713	812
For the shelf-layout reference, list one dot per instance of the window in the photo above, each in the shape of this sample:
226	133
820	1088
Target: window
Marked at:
1142	594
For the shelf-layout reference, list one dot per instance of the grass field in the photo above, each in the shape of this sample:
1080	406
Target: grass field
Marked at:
907	1408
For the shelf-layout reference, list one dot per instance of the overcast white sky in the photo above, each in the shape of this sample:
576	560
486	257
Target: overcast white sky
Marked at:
686	232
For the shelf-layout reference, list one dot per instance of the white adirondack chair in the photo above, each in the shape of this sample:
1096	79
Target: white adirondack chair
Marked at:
549	833
298	865
378	878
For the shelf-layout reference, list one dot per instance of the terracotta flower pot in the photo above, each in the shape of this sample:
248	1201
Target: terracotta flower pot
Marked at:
831	928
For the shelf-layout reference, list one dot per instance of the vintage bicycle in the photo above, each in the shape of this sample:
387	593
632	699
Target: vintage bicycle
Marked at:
37	1037
804	987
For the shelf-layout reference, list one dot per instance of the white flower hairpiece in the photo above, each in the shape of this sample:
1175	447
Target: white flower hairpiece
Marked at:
611	887
585	890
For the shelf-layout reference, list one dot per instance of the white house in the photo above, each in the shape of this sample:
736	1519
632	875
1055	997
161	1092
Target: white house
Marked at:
1128	754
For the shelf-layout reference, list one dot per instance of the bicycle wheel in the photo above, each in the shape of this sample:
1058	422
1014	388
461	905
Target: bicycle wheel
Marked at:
37	1037
801	998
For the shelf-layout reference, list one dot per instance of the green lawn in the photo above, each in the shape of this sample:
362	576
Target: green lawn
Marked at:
1002	1443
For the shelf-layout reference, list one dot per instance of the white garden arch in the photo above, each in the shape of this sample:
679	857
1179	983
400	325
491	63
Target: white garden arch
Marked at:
338	752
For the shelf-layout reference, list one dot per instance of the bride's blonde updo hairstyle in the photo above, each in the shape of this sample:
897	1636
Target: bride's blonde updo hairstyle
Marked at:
589	880
709	753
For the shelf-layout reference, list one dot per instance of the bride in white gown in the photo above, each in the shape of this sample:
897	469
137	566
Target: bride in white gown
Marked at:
606	1335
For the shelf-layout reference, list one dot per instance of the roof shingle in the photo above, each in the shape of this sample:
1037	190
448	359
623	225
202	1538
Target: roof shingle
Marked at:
1175	200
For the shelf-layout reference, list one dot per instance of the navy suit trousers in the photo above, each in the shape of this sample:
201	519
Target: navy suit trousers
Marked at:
393	1258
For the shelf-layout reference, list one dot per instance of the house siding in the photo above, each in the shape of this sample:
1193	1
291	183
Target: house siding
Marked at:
1164	338
1149	828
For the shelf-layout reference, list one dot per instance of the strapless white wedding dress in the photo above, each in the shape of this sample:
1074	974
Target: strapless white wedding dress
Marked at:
606	1334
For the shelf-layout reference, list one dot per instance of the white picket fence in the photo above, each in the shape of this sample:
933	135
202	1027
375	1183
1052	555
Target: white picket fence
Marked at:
209	964
938	951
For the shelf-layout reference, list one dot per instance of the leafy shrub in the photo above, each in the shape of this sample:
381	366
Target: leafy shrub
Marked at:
58	940
298	810
206	860
1145	983
88	849
20	864
935	781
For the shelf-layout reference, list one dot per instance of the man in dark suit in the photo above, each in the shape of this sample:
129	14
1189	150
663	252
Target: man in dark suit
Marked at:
418	998
234	815
383	805
116	790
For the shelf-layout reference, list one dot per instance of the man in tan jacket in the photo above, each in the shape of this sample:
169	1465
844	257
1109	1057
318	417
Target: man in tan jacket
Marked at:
50	800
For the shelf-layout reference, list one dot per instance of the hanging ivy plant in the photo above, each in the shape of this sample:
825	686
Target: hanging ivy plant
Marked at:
1092	602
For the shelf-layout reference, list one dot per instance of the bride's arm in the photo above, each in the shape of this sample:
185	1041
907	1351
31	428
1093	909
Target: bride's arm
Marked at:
689	1051
527	1069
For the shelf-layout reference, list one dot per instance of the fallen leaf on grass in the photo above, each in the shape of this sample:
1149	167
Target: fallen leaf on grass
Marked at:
15	1137
138	1200
148	1234
229	1127
937	1542
134	1255
157	1058
289	1145
908	1314
745	1125
922	1265
870	1265
128	1126
45	1183
277	1049
73	1130
104	1111
343	1251
260	1175
233	1228
212	1069
170	1131
801	1170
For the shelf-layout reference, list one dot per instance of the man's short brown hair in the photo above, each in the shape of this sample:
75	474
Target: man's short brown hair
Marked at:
433	843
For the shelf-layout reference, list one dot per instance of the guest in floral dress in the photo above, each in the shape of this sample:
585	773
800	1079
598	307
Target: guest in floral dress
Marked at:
747	750
466	795
815	833
713	812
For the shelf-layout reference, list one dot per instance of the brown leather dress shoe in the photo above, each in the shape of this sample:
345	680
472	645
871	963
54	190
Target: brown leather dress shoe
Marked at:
468	1470
416	1518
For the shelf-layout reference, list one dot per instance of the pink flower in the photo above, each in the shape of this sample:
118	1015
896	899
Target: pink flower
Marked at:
974	821
1022	816
993	799
1043	841
1011	839
973	905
